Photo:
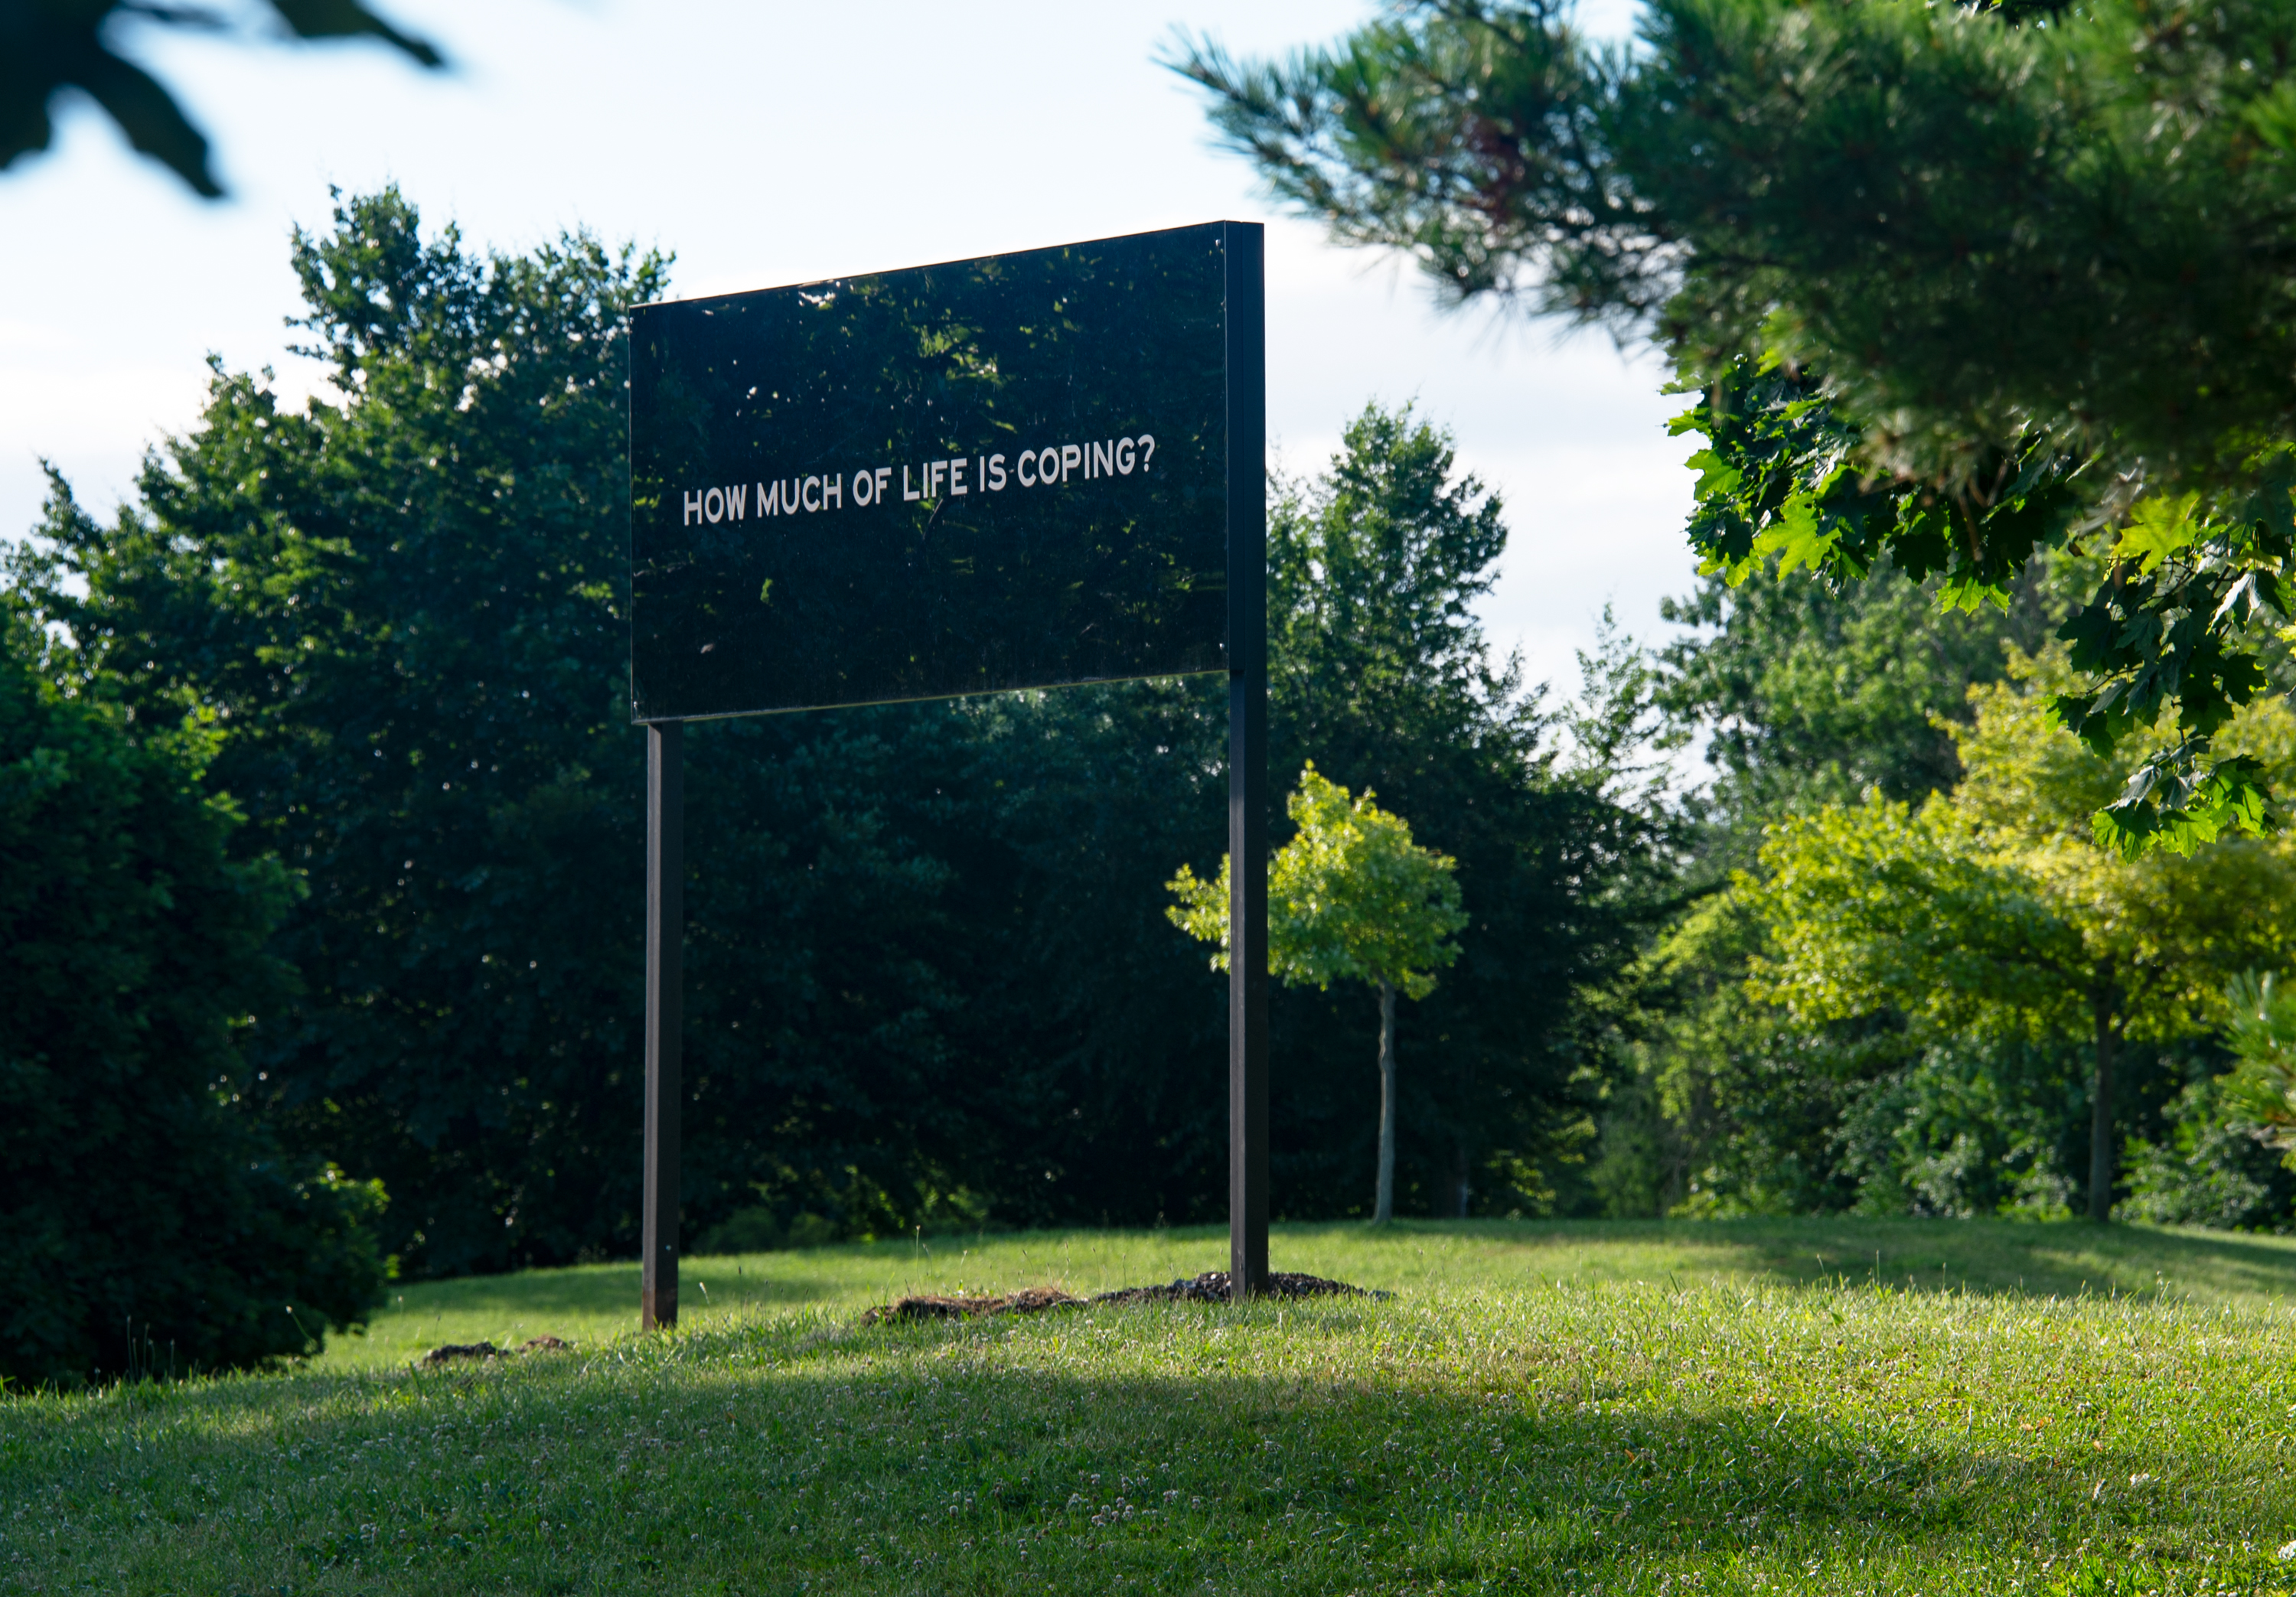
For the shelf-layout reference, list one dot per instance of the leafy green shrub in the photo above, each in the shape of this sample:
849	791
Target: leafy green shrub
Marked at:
752	1229
2212	1169
811	1230
142	1218
2227	1161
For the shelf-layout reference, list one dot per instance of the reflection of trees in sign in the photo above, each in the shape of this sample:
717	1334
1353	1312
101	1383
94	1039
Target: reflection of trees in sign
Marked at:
1029	452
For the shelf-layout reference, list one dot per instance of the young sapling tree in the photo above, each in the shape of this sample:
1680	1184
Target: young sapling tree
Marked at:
1350	899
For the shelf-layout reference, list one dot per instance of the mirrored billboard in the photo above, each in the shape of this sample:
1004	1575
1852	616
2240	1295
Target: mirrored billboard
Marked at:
989	474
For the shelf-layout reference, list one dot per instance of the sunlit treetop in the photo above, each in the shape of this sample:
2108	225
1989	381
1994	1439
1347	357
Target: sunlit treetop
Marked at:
1350	897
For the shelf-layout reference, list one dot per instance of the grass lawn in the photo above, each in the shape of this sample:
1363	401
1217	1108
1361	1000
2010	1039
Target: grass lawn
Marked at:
1775	1406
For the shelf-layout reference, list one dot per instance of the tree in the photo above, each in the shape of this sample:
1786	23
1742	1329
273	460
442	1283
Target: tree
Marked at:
400	609
1951	284
49	45
395	607
1806	694
1731	1108
1803	695
145	1219
2261	1028
1380	673
1350	899
1991	910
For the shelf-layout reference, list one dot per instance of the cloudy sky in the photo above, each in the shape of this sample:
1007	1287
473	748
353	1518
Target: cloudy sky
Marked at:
767	143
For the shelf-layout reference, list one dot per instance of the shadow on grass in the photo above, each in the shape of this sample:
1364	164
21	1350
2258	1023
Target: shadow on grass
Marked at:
2057	1259
1534	1488
605	1289
941	1463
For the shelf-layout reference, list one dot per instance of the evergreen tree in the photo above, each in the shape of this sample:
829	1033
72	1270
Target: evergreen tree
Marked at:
1381	675
1951	283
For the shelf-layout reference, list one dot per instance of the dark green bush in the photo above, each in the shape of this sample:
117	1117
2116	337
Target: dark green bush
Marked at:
144	1218
2210	1169
811	1230
752	1229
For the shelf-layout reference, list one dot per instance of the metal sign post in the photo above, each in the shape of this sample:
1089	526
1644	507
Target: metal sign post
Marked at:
665	1018
1026	470
1247	765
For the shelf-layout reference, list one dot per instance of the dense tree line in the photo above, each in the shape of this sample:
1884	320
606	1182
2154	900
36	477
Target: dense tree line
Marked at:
929	980
366	661
1907	967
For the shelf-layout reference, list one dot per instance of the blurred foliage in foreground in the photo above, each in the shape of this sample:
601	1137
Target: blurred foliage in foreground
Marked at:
54	46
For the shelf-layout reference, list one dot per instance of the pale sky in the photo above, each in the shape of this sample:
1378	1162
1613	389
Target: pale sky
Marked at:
767	143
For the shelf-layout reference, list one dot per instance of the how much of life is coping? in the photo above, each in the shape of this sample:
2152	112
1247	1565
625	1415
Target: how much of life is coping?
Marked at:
1052	465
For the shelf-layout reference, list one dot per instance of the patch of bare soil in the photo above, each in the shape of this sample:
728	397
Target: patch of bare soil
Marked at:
1210	1287
453	1351
1028	1300
457	1350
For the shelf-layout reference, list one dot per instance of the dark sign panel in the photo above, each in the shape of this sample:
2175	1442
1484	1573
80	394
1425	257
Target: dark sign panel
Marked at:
998	474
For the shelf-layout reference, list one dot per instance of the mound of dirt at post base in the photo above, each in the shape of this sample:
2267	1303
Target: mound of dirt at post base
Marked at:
454	1350
485	1350
932	1305
1210	1287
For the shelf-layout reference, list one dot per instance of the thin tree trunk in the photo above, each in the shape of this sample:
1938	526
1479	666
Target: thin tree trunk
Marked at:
1383	1204
2100	1134
1465	1142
